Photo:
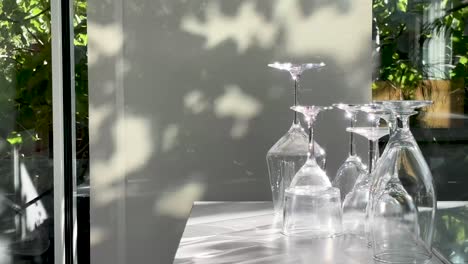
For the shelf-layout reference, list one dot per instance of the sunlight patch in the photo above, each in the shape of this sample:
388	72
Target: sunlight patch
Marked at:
178	203
195	102
238	105
246	29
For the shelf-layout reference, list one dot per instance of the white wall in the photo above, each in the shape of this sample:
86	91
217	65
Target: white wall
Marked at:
183	107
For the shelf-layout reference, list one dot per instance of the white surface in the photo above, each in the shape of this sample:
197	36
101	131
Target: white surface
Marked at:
232	232
207	212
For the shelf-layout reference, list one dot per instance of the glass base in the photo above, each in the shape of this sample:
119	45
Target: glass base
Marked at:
401	250
313	234
402	257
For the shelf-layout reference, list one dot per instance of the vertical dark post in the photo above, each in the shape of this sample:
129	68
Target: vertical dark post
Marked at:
68	112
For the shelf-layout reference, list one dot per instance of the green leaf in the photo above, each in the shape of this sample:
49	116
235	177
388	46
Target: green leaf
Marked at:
463	60
15	138
403	79
35	137
402	5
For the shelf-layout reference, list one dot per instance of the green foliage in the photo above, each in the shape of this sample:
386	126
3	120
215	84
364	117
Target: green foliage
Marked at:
15	138
402	38
26	68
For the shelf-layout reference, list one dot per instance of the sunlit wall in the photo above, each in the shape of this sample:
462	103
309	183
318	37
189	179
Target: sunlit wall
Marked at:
183	107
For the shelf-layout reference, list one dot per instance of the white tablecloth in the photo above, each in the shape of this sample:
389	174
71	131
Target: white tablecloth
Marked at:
246	232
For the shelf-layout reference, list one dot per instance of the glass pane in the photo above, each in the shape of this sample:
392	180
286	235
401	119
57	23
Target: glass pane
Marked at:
82	133
421	52
26	158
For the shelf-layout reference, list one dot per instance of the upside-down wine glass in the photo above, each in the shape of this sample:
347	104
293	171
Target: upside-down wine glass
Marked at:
356	201
289	153
403	201
352	167
312	206
377	112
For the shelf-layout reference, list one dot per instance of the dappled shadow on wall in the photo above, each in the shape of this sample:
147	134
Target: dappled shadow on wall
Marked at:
197	108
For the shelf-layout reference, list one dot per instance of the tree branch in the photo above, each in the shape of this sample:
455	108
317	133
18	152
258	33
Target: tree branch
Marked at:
455	9
34	36
26	18
11	58
37	15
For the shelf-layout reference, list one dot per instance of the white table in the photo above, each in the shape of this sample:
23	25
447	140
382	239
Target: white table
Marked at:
246	232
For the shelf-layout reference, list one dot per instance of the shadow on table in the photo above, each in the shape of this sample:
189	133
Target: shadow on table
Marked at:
259	240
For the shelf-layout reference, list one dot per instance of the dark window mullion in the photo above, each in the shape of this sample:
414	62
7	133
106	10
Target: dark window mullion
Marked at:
68	112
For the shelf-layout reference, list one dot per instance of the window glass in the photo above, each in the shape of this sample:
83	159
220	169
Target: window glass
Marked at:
26	158
421	52
80	23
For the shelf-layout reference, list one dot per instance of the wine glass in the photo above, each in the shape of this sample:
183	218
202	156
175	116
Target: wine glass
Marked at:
312	206
352	167
376	112
403	201
356	201
288	154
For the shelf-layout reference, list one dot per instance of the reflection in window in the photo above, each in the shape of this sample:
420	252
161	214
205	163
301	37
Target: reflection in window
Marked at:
421	52
26	226
80	40
26	158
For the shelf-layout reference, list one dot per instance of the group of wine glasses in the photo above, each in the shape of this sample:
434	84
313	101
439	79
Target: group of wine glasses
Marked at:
389	203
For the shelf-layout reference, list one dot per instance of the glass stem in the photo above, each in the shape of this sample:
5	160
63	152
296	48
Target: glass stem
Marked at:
310	154
392	124
296	83
374	148
373	154
352	144
404	122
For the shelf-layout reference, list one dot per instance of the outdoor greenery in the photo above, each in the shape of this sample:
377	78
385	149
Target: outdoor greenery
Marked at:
403	32
26	68
402	35
451	233
26	74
